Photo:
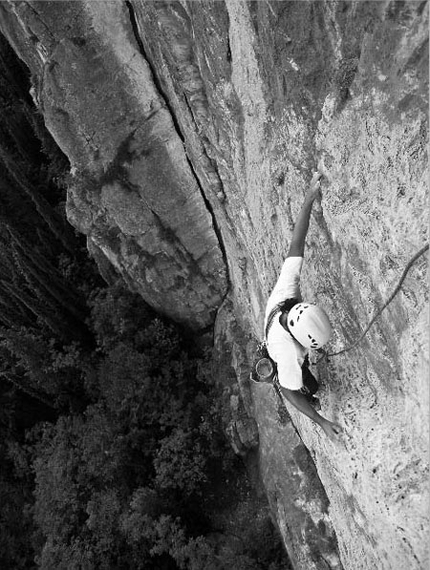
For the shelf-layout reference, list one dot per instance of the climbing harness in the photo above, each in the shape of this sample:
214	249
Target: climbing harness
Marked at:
379	311
265	370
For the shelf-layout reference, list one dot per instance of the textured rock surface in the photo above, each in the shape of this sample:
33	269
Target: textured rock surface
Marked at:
133	191
179	119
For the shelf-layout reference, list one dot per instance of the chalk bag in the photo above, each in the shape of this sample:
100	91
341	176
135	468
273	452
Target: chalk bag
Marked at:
265	369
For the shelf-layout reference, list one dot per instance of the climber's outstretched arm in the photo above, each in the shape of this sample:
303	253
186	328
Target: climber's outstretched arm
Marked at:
297	245
298	400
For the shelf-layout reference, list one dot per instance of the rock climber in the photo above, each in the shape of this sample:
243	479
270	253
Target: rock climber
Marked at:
293	327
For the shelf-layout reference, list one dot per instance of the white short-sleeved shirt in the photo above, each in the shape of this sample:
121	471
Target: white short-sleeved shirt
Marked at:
282	347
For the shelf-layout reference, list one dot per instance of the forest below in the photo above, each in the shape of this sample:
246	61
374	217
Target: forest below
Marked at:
112	447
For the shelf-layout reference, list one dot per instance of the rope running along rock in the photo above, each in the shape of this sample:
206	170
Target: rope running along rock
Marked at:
379	311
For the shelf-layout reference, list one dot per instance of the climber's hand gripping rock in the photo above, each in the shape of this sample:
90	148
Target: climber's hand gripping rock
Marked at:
332	430
314	191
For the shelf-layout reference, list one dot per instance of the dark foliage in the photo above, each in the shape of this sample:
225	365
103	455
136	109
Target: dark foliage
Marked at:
141	477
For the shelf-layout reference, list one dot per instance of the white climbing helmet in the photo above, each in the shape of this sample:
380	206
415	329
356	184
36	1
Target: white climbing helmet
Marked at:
309	325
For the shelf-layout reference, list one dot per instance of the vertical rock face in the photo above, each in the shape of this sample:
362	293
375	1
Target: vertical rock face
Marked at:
133	191
193	132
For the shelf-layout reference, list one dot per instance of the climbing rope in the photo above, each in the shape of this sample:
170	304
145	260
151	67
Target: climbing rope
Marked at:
377	314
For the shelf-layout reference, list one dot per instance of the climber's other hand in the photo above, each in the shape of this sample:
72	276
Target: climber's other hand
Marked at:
314	191
332	430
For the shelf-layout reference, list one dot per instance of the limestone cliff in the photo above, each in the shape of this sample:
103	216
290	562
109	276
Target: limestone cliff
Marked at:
193	129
